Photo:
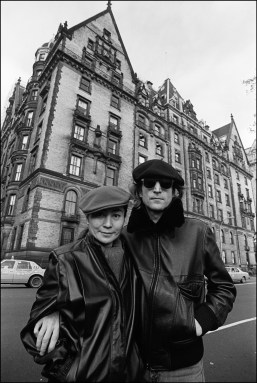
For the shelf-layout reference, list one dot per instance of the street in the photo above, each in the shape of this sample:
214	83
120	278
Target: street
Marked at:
230	352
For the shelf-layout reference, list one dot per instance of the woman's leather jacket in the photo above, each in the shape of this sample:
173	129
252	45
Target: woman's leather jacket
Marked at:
97	317
172	263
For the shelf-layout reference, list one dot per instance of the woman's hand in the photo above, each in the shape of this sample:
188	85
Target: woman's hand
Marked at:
47	332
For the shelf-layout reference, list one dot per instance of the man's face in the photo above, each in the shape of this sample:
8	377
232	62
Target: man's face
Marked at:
156	194
106	225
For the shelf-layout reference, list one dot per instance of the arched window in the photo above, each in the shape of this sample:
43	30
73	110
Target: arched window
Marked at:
223	256
70	203
222	236
231	238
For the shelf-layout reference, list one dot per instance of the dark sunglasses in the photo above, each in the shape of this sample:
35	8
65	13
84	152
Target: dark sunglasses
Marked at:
149	183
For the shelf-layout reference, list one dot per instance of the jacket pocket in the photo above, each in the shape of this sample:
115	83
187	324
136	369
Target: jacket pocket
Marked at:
189	293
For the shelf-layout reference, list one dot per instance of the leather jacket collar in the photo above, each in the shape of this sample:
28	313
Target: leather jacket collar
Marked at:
172	217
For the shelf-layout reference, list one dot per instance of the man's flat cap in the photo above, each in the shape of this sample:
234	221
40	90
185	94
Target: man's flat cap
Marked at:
156	169
104	197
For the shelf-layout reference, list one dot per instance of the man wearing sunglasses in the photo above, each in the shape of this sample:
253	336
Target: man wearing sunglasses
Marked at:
173	255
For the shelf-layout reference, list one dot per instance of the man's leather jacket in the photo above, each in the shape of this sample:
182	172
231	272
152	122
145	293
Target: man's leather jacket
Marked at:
97	317
172	263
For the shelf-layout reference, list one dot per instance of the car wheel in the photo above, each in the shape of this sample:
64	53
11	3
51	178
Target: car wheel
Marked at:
243	280
35	281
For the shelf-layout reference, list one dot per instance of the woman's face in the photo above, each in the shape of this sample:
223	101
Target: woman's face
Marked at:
106	225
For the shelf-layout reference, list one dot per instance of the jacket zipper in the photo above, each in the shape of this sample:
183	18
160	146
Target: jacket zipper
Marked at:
152	291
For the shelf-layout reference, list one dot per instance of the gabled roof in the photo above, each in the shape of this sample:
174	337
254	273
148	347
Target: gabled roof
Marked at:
100	14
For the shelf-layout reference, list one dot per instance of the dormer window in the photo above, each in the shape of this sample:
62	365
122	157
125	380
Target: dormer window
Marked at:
41	57
106	35
90	44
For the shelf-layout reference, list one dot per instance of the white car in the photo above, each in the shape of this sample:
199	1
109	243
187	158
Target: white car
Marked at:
237	274
21	271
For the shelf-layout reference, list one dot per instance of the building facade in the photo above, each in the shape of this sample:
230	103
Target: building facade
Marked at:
85	119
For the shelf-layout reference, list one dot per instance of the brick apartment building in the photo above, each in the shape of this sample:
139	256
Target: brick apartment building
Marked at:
85	119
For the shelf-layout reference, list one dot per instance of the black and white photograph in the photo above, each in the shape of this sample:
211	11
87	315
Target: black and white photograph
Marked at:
128	191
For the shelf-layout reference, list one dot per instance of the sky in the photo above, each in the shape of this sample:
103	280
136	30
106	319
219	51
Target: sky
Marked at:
206	48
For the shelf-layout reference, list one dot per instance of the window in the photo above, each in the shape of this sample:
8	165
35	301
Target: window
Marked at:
177	157
41	57
208	174
116	79
70	203
214	232
212	211
141	121
247	193
33	160
18	172
19	239
159	131
29	119
245	181
88	61
218	195
75	165
13	238
237	175
223	256
239	188
44	105
39	130
225	183
38	73
110	176
24	265
114	122
210	194
142	140
197	205
82	106
24	142
229	218
176	138
90	44
200	183
67	235
175	119
222	236
231	238
79	133
220	215
207	157
216	179
158	149
112	146
118	64
34	95
141	159
115	102
85	85
233	257
26	200
106	34
198	165
10	209
243	222
227	200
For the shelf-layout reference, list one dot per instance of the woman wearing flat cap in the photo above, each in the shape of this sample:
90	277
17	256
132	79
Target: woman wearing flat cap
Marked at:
89	289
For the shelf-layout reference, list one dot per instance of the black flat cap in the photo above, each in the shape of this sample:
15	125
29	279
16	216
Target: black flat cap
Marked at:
104	197
156	169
